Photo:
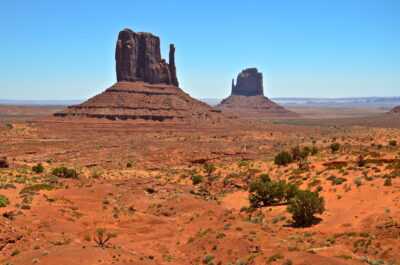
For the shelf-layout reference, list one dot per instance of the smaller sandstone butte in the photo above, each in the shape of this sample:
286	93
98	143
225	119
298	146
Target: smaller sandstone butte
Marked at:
249	83
247	98
138	57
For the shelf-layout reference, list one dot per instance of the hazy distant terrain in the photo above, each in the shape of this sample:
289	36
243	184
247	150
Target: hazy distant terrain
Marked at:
42	103
369	102
364	102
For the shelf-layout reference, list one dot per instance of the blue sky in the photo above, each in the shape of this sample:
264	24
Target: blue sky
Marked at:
308	48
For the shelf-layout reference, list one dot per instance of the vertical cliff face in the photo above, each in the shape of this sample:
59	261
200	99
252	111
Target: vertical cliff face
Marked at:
248	83
138	57
172	68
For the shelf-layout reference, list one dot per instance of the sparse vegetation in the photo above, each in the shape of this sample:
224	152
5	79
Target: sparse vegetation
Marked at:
264	192
103	237
335	147
209	169
39	168
283	159
4	201
388	182
64	172
196	179
304	205
274	257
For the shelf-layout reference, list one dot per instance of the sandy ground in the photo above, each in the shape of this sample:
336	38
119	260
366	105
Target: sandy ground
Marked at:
161	217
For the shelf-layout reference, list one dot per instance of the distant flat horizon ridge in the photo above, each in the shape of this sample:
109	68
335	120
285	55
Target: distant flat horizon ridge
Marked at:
377	102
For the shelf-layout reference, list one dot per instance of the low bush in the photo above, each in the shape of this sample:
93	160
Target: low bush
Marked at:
36	188
103	237
64	172
283	158
335	147
4	201
388	182
264	192
197	179
39	168
304	205
274	257
208	258
209	169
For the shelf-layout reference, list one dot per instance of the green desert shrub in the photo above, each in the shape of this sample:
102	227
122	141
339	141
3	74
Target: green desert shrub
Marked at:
314	150
208	258
36	188
103	237
283	158
209	169
274	257
196	179
304	205
4	201
393	143
335	147
264	192
39	168
64	172
388	182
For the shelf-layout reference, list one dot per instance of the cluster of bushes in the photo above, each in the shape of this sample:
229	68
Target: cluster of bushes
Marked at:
302	204
64	172
297	155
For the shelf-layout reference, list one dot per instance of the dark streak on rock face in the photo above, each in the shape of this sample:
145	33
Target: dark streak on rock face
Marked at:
138	57
248	83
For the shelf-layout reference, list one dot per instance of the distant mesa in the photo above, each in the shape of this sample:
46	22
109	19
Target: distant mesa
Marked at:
249	83
247	98
395	110
146	88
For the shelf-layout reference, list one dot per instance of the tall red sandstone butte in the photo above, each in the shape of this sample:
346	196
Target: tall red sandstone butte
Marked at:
247	99
146	88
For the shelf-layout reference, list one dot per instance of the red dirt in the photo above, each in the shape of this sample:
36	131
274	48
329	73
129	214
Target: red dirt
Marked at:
160	217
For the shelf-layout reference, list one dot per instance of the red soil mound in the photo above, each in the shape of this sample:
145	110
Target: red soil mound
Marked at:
253	107
143	101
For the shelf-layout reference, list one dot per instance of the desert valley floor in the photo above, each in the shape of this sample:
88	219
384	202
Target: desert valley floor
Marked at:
147	184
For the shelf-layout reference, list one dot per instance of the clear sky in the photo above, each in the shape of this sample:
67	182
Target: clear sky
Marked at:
64	49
